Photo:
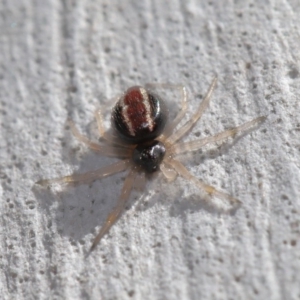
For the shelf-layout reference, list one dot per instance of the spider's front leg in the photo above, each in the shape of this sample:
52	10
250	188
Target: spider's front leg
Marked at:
90	176
184	147
211	191
115	214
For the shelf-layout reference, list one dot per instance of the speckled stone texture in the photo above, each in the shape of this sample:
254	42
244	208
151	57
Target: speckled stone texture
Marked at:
61	59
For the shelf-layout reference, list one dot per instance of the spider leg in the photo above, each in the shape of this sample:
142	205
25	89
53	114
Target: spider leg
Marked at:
169	173
99	119
211	191
140	181
196	145
171	126
116	212
88	176
189	124
108	137
107	150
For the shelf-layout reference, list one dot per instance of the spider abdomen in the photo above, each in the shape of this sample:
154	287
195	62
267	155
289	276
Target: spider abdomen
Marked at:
139	115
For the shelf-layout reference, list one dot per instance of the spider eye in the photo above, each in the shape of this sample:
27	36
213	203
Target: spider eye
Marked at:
149	156
139	115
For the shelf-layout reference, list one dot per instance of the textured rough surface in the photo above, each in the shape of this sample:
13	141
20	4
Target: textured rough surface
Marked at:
63	59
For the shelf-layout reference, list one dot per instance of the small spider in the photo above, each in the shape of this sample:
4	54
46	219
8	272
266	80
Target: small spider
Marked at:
145	142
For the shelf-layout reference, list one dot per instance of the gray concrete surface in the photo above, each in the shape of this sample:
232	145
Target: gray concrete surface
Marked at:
61	59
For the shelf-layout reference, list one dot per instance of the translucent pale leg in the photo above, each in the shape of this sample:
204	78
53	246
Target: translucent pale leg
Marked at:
107	150
168	172
88	176
211	191
115	214
170	127
140	181
108	137
99	119
188	125
196	145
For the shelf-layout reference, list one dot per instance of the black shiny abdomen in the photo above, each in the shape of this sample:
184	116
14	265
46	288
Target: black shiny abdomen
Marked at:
139	116
149	155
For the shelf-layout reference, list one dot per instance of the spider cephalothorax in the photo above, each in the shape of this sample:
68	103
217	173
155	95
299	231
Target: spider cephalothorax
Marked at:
146	143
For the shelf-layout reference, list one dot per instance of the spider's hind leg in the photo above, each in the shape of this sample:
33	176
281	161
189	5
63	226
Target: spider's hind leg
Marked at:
172	125
110	138
107	149
175	136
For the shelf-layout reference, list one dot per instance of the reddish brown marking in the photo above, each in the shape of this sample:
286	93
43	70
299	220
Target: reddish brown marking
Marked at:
136	110
133	95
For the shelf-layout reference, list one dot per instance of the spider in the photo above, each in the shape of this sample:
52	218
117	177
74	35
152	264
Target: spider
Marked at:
146	143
